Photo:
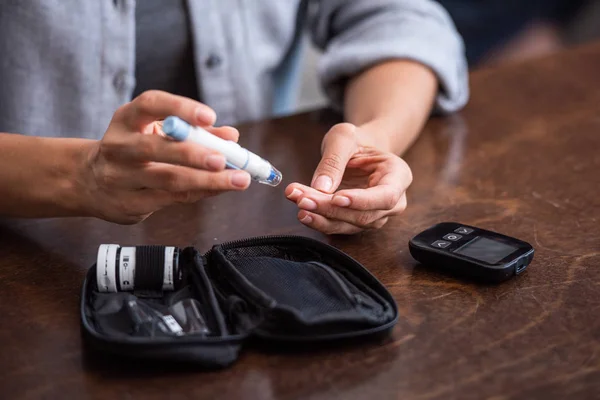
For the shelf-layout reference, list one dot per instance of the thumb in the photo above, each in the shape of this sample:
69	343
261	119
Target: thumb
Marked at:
339	145
225	132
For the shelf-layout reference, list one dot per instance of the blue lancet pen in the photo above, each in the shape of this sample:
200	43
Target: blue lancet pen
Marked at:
237	157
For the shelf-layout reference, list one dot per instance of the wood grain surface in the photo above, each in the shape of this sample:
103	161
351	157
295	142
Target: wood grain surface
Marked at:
522	159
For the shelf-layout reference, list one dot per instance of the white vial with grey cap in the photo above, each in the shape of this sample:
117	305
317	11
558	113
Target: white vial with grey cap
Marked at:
116	268
237	157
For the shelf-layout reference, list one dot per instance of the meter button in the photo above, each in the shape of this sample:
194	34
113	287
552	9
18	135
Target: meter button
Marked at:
463	231
453	237
440	244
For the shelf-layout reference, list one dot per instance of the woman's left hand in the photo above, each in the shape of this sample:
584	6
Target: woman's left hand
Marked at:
354	188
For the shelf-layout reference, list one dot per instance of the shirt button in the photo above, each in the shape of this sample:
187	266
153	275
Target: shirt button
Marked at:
119	81
213	61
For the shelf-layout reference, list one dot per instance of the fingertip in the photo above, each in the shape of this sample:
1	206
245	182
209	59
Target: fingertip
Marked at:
307	204
215	162
235	134
338	147
342	128
341	201
205	116
311	192
305	217
323	183
240	179
288	189
225	132
230	133
300	187
293	194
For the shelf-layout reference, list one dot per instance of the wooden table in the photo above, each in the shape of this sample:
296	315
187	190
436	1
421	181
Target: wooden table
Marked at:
522	159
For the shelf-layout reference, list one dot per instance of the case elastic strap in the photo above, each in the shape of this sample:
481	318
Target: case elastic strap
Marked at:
149	271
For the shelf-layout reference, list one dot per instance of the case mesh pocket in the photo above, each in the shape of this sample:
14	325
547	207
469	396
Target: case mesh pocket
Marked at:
311	291
300	285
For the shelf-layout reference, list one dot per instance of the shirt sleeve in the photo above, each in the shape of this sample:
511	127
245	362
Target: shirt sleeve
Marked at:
355	34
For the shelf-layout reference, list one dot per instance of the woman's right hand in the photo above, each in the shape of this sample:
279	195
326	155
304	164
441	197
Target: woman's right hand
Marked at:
134	170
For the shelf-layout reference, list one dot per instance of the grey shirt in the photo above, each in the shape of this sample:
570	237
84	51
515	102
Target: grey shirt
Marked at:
67	65
164	51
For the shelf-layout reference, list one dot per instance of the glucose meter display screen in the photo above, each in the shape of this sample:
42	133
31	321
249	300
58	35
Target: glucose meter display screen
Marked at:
486	250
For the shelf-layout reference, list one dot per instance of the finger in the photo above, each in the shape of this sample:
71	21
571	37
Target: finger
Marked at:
316	202
225	132
296	191
362	219
322	224
322	204
154	105
293	191
339	144
381	197
367	201
144	148
386	191
176	179
120	176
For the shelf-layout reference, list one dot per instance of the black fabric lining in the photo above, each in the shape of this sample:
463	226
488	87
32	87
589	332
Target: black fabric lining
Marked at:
303	286
227	274
310	289
310	293
295	252
204	291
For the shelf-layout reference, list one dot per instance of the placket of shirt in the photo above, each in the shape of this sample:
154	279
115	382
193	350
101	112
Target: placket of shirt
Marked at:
118	53
213	56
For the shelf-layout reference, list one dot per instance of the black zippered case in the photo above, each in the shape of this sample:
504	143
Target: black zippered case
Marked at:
280	290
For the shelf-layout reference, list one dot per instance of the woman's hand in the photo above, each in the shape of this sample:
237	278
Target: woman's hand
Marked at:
134	170
354	188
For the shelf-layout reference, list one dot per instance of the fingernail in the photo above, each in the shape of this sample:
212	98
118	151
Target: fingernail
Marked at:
323	183
240	179
215	161
306	220
307	204
206	115
295	193
341	201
